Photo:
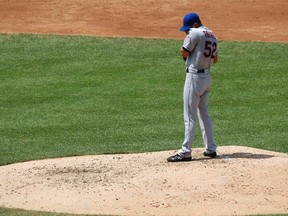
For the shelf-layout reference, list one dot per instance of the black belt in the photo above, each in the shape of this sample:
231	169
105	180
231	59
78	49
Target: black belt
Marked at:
198	71
201	71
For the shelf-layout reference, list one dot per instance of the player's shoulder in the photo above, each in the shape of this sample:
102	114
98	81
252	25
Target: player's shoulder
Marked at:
194	30
201	32
198	31
194	33
208	33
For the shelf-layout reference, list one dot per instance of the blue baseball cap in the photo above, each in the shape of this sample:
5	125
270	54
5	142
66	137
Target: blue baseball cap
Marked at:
189	20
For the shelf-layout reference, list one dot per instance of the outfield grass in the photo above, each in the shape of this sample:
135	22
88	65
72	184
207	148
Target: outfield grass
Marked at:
74	95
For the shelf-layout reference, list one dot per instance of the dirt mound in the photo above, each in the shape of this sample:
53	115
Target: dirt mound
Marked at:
240	181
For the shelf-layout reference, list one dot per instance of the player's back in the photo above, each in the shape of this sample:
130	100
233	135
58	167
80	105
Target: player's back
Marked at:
205	47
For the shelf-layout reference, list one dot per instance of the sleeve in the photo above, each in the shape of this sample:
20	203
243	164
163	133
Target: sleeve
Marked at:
190	42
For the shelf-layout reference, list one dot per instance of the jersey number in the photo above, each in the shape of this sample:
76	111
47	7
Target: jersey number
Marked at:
210	49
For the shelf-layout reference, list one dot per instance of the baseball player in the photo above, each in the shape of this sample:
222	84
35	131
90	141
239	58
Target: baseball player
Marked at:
199	50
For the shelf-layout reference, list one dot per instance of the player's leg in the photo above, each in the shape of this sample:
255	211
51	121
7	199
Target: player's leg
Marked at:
206	124
190	102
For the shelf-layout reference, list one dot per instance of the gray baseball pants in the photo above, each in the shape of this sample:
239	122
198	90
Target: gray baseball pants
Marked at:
196	91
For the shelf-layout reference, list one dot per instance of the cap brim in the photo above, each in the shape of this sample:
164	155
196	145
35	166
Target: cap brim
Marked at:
184	28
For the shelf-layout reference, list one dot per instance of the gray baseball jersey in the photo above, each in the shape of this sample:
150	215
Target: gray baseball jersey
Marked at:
202	44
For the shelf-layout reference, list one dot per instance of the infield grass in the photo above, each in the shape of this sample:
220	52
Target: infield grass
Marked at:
75	95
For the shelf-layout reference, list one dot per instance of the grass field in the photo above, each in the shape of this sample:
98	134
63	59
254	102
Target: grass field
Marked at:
75	95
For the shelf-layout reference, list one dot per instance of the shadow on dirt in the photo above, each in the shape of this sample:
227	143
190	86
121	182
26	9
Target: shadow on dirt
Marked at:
236	155
245	155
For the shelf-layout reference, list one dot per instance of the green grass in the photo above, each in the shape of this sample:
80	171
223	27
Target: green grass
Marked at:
74	95
63	96
249	99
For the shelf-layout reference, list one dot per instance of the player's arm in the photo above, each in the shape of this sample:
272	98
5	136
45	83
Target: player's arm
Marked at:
184	52
188	46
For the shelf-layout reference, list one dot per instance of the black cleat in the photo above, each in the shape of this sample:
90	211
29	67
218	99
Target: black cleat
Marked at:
211	154
178	158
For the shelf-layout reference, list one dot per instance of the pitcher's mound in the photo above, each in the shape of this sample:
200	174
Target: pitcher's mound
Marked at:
239	181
